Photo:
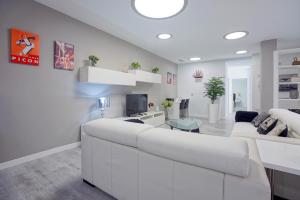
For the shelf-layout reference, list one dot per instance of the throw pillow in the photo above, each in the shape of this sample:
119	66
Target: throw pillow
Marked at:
135	121
267	125
295	110
280	129
245	116
259	119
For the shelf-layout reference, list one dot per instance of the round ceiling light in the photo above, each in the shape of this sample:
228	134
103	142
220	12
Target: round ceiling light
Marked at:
241	52
164	36
195	59
236	35
158	9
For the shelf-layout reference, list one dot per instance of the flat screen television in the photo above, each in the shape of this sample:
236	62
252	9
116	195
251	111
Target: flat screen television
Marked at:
136	104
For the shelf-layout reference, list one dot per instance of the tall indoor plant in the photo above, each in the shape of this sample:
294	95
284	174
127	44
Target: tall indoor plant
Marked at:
214	89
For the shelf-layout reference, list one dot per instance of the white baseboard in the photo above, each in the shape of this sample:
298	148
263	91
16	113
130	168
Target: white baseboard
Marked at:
35	156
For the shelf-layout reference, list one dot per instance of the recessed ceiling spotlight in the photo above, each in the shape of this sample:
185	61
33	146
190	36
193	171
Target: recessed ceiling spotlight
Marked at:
195	59
158	9
235	35
241	52
164	36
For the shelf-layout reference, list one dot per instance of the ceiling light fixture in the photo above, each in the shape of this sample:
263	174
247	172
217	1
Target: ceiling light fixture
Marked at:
195	59
164	36
241	52
236	35
158	9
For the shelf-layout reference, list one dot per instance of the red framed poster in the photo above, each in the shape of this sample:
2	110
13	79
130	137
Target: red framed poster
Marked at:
25	47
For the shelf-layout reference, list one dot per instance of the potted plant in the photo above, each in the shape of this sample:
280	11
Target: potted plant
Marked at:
135	65
167	104
155	70
93	60
214	89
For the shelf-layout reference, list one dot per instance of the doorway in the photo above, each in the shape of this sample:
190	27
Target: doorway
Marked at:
238	87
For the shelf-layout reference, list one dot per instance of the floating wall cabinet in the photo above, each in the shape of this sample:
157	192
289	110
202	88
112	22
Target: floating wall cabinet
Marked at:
147	77
105	76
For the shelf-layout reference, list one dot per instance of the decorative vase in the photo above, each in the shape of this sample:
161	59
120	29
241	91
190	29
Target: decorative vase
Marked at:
166	114
213	113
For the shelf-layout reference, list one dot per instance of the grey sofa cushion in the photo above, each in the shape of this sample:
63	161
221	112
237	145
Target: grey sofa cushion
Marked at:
259	119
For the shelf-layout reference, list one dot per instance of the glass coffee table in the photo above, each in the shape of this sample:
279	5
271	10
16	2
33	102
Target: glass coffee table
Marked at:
185	124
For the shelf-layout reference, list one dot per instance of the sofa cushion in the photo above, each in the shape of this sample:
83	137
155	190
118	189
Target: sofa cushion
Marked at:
221	154
259	119
244	129
267	125
114	130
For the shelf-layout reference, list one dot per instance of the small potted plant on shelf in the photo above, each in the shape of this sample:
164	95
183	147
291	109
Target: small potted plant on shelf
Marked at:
155	70
167	104
93	60
214	89
135	65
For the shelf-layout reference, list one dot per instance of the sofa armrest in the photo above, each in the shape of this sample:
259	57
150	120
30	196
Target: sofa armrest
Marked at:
245	116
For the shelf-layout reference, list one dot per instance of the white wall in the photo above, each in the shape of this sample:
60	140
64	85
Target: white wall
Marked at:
189	88
47	105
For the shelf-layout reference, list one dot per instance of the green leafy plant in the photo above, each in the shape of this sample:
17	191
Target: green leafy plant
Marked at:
167	104
155	70
214	88
135	65
93	60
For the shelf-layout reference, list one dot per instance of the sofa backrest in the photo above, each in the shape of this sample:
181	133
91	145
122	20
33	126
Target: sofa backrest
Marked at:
226	155
114	130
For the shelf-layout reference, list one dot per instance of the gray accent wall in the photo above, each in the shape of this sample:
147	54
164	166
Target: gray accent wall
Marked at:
267	48
42	107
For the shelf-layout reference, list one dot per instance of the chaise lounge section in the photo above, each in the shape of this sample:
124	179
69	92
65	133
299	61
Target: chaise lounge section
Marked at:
244	128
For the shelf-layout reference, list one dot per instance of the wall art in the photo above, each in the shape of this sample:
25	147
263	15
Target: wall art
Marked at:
25	47
63	56
169	78
174	79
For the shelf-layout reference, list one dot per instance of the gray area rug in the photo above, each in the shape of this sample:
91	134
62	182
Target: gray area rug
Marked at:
55	177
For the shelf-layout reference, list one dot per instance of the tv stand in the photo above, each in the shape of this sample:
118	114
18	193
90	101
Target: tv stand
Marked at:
154	118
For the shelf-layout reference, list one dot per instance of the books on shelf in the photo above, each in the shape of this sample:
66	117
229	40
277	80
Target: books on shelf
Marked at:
295	79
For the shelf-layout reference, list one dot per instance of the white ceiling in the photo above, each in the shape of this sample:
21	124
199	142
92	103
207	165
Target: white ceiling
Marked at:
198	30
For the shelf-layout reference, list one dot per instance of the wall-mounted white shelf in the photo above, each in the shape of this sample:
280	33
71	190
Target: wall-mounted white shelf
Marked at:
288	83
105	76
289	66
147	77
289	99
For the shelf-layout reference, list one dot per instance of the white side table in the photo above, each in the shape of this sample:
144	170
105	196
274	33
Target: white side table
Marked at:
279	156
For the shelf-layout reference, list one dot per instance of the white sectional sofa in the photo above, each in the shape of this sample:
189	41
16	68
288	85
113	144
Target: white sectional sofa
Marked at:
139	162
291	119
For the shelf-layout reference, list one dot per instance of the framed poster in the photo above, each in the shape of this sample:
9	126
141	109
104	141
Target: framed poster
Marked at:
169	78
63	56
174	79
24	47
